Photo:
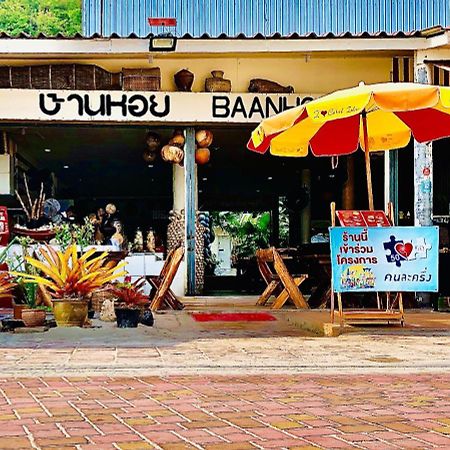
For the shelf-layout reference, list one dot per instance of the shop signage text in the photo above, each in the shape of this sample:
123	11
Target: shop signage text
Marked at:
119	106
384	259
223	106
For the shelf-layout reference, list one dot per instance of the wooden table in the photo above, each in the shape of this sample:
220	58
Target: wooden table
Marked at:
319	268
314	260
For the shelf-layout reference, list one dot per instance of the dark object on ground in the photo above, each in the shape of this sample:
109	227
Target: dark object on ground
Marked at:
147	318
11	324
50	323
127	318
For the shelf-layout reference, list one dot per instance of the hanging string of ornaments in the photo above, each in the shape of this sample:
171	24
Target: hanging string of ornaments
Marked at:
173	151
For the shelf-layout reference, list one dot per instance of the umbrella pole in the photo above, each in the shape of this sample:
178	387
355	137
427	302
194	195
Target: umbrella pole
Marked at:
367	159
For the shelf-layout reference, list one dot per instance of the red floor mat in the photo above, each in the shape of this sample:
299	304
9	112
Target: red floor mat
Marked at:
233	317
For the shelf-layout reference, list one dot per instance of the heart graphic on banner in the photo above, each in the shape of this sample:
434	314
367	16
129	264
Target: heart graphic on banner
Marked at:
404	250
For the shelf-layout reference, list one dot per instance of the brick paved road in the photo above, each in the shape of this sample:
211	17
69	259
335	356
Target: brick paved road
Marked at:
213	412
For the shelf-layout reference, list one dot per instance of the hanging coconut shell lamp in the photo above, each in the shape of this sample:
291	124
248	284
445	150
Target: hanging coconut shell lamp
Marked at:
204	138
153	144
172	154
153	141
149	157
177	139
202	155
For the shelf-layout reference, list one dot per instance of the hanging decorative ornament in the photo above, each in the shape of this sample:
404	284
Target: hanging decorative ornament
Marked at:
172	154
149	156
153	141
177	139
204	138
202	155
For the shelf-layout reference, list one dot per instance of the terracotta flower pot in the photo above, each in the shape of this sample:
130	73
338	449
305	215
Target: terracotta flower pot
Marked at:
17	314
70	313
33	317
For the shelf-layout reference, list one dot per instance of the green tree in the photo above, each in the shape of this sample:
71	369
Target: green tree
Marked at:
40	16
248	232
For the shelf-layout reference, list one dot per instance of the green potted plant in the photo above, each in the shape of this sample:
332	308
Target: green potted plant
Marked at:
32	315
129	301
68	233
70	279
83	235
63	236
18	262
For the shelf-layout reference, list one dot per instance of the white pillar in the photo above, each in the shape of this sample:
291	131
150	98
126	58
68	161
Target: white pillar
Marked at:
179	282
423	177
178	187
179	203
423	166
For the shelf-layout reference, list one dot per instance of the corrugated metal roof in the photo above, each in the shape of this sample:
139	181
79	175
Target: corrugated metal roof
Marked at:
260	36
266	17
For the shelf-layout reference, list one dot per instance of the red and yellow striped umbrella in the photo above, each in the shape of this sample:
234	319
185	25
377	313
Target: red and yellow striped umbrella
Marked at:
374	117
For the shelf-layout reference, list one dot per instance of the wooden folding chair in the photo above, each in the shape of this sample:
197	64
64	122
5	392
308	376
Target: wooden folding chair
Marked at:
161	283
266	273
155	280
170	300
281	283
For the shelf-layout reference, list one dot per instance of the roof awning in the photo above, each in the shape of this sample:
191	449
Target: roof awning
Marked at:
444	65
440	73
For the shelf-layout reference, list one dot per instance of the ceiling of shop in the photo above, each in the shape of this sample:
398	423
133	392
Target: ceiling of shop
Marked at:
107	161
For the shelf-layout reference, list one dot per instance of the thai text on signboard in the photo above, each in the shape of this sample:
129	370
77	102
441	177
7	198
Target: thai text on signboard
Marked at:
161	106
119	106
384	259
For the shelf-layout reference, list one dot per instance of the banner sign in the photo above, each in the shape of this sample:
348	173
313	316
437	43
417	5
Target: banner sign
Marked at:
390	259
148	107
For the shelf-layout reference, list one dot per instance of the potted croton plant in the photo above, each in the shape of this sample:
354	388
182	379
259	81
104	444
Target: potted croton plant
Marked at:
70	279
130	301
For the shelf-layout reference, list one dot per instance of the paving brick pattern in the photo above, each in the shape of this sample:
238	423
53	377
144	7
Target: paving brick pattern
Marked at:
233	412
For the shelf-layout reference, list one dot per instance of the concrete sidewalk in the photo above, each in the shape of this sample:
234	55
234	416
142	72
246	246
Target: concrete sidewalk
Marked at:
179	345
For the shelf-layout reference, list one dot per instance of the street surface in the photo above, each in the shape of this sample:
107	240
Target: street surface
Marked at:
185	385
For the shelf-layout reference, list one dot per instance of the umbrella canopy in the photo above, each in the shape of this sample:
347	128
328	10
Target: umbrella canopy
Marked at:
374	117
